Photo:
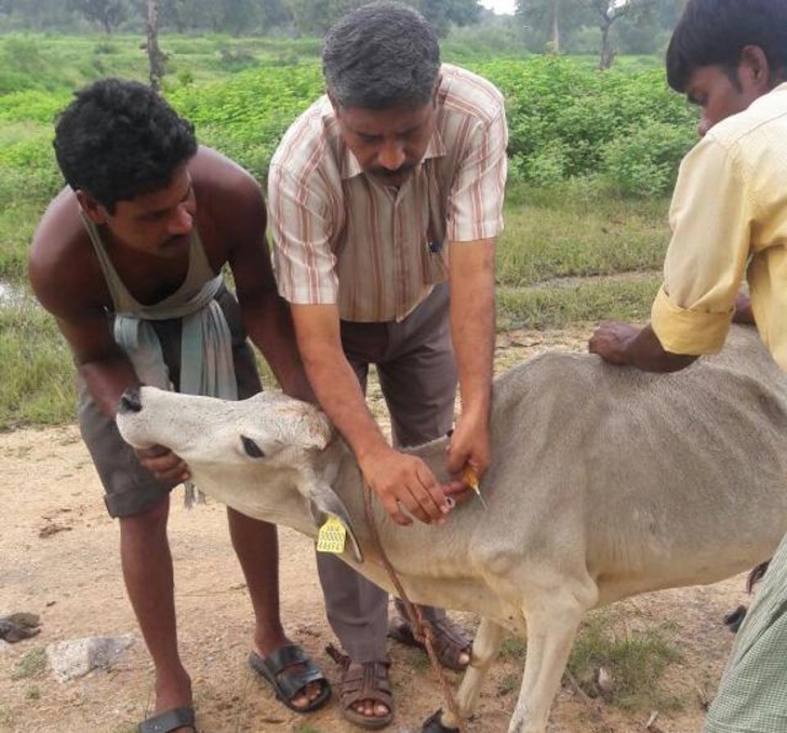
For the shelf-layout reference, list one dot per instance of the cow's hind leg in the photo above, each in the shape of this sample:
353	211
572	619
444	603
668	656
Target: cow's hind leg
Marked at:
551	629
486	645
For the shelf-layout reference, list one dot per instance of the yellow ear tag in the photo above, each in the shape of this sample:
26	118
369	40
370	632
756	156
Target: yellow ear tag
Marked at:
332	536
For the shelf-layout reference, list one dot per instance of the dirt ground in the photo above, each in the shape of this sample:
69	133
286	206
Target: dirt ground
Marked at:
59	558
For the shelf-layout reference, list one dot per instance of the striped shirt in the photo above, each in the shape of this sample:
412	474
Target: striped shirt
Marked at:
375	251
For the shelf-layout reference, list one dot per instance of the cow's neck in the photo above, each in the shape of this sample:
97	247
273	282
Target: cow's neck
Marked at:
338	466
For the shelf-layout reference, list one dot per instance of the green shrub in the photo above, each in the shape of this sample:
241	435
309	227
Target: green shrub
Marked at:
107	48
641	162
186	78
567	120
565	117
236	59
28	105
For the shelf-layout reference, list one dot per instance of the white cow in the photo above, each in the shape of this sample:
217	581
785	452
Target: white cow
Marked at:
606	482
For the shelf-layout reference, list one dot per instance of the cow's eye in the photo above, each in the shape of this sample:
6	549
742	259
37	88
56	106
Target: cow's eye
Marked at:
251	448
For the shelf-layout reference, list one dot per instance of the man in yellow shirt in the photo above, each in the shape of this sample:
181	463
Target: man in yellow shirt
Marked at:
729	219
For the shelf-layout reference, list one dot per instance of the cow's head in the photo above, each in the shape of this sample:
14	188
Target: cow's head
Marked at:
255	455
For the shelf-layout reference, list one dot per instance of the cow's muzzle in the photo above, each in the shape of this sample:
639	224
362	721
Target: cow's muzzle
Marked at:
130	401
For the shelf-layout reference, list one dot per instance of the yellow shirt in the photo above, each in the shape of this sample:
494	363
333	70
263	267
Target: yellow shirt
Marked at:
729	218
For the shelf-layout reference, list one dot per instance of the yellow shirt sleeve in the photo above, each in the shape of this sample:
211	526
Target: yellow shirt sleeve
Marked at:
711	217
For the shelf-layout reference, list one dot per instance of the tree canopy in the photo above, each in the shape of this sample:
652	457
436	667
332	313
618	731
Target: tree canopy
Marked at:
312	17
600	26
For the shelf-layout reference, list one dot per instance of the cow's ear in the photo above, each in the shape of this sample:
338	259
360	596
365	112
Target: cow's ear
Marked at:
325	503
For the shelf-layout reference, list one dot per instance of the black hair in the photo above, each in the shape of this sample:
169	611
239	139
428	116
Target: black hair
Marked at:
380	56
714	33
119	139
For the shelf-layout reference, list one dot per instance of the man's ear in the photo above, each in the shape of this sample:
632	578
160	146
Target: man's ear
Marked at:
755	71
334	102
92	209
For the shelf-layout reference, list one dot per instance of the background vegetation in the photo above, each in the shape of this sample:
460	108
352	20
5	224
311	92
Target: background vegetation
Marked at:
573	26
592	155
592	158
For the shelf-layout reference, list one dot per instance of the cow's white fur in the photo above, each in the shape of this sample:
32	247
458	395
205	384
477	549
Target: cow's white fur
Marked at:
606	482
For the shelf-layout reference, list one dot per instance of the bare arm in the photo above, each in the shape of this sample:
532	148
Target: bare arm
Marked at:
68	288
626	345
472	282
394	476
265	314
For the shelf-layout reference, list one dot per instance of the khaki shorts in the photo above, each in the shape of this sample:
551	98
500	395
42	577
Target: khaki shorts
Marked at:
130	488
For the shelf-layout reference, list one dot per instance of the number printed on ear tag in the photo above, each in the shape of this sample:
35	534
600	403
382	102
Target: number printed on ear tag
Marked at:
332	537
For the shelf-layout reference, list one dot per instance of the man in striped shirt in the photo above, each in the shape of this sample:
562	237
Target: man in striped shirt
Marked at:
384	196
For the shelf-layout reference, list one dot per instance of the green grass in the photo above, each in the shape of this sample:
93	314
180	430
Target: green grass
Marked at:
509	683
583	302
572	254
578	230
17	223
637	661
36	370
31	664
513	648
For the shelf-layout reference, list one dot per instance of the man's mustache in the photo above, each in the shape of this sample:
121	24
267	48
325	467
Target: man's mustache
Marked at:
388	173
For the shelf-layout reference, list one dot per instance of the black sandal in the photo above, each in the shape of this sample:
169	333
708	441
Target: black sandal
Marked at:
168	721
286	682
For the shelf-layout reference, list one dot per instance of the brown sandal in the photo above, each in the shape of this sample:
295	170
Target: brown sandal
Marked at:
449	639
367	681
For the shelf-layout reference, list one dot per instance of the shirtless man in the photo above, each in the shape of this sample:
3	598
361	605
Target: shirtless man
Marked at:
128	259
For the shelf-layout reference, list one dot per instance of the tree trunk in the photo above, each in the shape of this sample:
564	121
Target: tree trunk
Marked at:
607	52
155	57
555	27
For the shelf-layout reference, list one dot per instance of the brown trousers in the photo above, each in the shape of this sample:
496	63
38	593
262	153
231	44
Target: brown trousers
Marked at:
418	377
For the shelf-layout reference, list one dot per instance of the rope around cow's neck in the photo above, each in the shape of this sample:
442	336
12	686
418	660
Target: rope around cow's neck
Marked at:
420	630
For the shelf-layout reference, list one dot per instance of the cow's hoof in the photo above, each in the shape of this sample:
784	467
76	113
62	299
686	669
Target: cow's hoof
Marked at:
433	724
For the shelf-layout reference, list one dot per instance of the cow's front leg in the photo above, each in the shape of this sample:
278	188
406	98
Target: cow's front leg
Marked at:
486	645
550	634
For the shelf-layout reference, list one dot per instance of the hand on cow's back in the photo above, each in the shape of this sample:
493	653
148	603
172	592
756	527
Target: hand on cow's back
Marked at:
611	342
402	480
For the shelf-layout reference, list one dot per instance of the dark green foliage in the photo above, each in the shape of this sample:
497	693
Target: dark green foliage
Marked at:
636	26
246	116
564	119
